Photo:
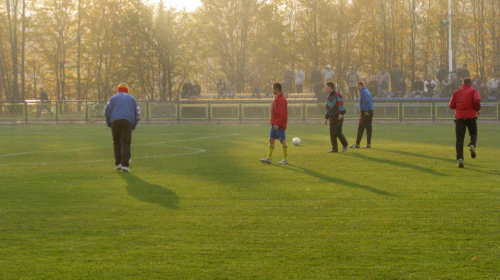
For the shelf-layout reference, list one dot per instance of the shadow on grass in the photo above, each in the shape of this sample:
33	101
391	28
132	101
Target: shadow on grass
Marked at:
496	173
398	164
335	180
418	155
144	191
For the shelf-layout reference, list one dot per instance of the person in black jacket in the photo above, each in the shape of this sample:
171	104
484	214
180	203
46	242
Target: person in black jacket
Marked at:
196	92
417	87
400	86
187	89
316	79
44	101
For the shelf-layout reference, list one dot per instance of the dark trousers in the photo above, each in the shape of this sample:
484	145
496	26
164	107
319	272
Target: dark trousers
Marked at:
45	106
365	122
299	88
336	132
122	138
460	126
353	93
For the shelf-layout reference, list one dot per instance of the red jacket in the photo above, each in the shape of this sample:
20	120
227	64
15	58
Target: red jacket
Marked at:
279	114
466	101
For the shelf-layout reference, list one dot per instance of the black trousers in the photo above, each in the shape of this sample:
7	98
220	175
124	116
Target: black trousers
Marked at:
460	126
46	106
122	138
365	122
336	132
299	88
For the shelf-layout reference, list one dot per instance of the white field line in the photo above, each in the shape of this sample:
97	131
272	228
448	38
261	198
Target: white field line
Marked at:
106	147
87	133
191	151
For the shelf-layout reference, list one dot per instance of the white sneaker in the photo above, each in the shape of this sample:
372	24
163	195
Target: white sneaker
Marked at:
266	160
283	161
472	151
125	169
119	167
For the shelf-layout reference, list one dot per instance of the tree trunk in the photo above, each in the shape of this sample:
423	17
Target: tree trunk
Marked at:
12	22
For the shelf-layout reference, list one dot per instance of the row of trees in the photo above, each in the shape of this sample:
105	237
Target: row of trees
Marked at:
81	49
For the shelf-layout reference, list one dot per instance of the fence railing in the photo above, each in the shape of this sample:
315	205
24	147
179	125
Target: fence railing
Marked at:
230	110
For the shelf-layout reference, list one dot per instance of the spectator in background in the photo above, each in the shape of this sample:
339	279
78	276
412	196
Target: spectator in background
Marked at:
430	87
300	77
196	90
466	102
372	85
395	75
417	88
455	83
493	89
351	78
328	73
187	89
399	87
384	88
122	115
442	73
288	80
446	87
255	81
477	84
221	88
316	82
230	90
463	73
44	101
383	82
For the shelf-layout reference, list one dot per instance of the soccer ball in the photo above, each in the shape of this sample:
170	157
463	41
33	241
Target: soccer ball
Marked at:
296	141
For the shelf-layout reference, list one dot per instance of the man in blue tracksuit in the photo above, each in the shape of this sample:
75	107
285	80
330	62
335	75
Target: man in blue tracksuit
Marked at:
122	115
366	110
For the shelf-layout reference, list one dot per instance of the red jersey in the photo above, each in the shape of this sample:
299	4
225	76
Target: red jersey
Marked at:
279	113
466	101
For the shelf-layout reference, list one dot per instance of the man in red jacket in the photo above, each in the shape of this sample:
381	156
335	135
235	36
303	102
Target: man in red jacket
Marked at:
279	119
467	103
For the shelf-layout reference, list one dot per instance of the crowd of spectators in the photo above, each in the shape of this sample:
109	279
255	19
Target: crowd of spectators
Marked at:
395	84
385	84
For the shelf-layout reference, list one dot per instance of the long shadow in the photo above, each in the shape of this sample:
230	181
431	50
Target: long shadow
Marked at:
496	173
437	158
418	155
398	164
335	180
144	191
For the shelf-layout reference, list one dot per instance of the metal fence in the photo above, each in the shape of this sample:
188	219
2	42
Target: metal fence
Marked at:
232	110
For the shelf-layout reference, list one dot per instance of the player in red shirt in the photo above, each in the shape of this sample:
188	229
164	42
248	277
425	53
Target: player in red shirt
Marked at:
467	102
279	119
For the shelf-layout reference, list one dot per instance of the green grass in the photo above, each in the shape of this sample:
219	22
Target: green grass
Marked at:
199	205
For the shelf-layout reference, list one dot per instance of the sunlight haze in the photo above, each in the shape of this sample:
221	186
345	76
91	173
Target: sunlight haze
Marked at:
189	5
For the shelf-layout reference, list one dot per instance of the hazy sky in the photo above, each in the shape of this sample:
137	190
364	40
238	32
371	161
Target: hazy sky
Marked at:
190	5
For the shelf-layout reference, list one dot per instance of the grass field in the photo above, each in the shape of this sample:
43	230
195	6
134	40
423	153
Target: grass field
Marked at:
198	204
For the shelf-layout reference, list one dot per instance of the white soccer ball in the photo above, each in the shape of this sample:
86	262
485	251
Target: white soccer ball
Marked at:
296	141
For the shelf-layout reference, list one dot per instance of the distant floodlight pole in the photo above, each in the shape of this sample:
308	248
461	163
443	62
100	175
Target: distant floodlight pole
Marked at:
450	50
